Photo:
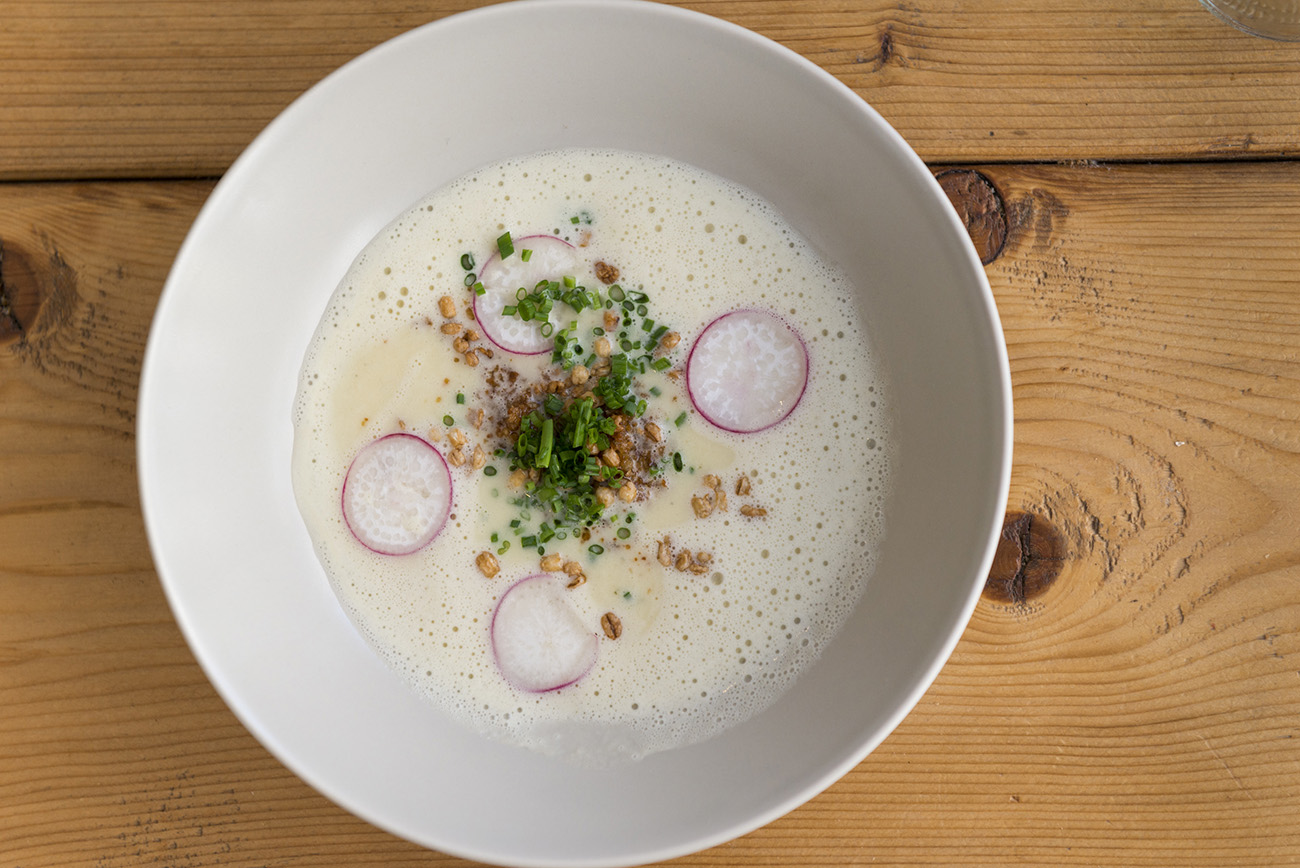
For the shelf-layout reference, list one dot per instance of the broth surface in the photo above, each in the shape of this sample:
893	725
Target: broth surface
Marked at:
699	651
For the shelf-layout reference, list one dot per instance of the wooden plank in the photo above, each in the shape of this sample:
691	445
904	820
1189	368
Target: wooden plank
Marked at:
1137	708
178	89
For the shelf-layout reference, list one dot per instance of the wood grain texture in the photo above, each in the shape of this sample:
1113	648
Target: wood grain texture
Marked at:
1141	710
177	88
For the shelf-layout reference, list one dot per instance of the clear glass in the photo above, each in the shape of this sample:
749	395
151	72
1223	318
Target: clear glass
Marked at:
1274	19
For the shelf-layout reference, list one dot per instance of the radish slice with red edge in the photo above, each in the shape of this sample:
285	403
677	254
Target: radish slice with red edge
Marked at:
538	640
397	494
551	259
747	371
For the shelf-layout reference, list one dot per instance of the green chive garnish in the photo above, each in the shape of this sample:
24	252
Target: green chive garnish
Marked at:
623	533
680	420
505	246
543	458
460	397
596	549
525	254
490	470
467	261
448	421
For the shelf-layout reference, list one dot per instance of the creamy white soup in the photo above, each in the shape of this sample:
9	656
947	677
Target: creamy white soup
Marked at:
685	583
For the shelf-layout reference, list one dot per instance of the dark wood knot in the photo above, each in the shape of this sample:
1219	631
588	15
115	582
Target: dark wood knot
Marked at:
980	207
20	297
1029	557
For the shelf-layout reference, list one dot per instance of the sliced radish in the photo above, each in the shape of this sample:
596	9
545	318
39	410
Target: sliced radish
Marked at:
539	642
397	494
551	259
747	371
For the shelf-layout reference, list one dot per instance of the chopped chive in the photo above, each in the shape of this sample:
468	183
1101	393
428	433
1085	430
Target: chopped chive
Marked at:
495	537
623	533
627	595
525	254
528	541
460	397
596	549
547	330
448	421
514	522
490	470
467	261
544	446
479	288
570	281
505	546
655	390
471	279
659	365
677	461
573	220
505	246
680	420
616	293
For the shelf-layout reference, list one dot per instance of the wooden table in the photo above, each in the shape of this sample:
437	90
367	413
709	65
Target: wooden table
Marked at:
1128	692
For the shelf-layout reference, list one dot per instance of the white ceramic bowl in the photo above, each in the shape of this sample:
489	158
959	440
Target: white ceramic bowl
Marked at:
279	231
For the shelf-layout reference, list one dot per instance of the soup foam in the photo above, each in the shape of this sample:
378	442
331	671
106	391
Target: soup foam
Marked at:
699	652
